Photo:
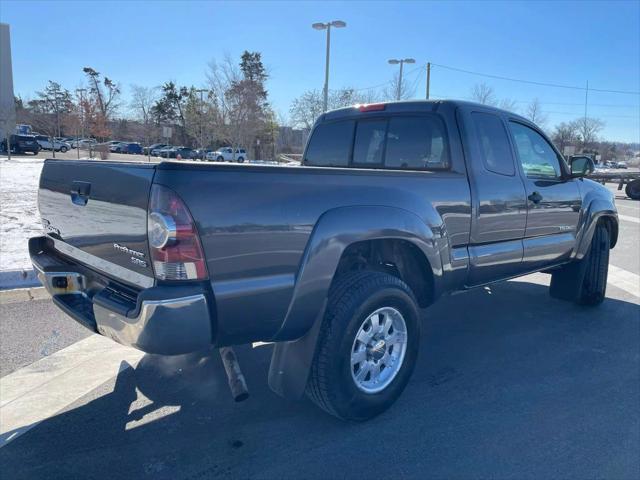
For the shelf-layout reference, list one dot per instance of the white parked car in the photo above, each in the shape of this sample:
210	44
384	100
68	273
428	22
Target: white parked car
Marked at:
47	144
84	143
225	154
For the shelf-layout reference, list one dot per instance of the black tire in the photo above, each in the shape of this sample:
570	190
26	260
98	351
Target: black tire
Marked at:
220	159
633	190
585	281
63	149
240	159
352	299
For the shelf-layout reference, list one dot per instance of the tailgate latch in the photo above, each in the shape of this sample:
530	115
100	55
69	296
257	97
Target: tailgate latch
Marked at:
80	192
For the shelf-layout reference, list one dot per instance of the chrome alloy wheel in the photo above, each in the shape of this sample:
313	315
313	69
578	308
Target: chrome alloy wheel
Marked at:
378	350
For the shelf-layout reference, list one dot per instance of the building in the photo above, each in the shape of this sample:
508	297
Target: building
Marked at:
7	100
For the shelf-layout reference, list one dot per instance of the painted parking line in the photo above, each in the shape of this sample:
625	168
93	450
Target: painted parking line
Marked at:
633	207
617	277
44	388
629	218
624	280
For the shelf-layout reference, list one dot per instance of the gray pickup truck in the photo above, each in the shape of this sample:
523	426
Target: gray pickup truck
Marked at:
395	205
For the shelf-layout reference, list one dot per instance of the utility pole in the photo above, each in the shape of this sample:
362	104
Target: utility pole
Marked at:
80	91
201	91
327	26
428	78
394	61
586	98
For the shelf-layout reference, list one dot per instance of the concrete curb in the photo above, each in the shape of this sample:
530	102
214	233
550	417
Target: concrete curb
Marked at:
18	279
18	295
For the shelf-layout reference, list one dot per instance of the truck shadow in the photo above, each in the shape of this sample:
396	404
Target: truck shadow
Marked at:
509	383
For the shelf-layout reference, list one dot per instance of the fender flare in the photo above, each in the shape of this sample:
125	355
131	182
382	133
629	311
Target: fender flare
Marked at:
597	209
334	232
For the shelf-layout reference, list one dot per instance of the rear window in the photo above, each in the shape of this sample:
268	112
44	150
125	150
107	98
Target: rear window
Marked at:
494	143
369	144
416	143
413	142
330	144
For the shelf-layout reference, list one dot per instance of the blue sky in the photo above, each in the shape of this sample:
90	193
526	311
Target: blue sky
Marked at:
149	42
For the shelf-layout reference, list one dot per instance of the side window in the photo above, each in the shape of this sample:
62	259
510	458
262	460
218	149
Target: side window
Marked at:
330	144
417	142
538	159
369	145
493	143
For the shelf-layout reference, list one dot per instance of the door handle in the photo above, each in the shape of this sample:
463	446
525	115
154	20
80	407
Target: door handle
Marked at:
535	197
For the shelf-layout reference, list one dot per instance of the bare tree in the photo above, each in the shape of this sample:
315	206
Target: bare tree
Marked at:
534	113
509	105
407	91
588	130
307	107
484	94
142	100
564	135
240	100
233	122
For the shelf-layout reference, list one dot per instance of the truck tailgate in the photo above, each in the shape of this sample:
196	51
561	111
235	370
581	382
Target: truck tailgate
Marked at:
97	213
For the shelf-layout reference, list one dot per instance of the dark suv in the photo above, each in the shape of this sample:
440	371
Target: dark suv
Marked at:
22	144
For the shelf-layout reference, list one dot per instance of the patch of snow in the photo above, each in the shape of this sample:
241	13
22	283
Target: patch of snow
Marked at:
19	218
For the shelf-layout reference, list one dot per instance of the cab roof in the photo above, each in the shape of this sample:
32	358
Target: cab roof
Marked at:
409	106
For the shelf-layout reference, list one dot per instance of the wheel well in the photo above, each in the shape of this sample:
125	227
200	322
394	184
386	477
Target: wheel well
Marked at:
612	226
394	256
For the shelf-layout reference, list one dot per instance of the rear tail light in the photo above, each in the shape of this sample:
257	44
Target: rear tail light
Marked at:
173	239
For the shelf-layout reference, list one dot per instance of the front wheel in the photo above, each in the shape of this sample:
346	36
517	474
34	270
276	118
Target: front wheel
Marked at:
240	159
63	149
585	281
633	189
220	158
367	346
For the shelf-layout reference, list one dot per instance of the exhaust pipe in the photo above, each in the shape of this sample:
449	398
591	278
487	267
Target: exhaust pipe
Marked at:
237	383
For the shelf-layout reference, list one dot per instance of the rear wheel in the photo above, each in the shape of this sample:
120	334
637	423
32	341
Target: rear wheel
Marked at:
585	281
63	149
220	158
240	159
367	347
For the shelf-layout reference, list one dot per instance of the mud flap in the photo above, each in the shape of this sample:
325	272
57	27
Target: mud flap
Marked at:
566	283
291	362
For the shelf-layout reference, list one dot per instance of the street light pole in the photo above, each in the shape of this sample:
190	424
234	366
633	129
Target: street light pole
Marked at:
52	138
201	91
428	78
325	95
402	61
79	92
327	26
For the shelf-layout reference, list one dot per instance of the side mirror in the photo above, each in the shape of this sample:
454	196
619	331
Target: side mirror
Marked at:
581	166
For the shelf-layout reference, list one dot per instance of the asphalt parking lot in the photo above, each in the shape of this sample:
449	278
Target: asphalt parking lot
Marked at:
510	383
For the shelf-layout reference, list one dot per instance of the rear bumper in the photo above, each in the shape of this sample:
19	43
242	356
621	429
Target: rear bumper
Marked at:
167	320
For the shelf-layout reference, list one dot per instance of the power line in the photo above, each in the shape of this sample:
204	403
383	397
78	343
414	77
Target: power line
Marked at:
440	96
544	84
413	70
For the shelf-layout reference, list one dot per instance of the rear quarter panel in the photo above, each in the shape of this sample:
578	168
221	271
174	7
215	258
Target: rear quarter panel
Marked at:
255	223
